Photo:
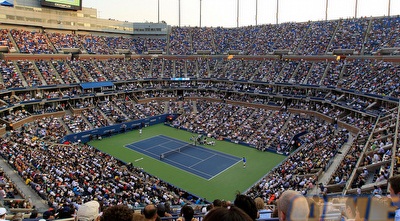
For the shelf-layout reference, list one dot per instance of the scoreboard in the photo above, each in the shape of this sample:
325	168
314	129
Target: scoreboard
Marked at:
63	4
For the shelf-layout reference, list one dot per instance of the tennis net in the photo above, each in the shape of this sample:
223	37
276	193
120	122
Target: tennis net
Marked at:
174	151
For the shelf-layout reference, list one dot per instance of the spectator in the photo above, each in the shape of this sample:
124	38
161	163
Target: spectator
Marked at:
150	212
89	211
262	211
207	208
2	194
352	212
377	191
34	214
138	217
117	213
65	212
226	203
247	204
162	211
292	206
381	177
17	217
394	189
224	214
49	215
187	214
217	203
3	213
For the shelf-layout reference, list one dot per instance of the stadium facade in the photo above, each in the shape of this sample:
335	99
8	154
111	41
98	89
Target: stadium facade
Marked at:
33	14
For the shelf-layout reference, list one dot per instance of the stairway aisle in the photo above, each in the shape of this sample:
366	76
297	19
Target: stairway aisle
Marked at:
337	160
25	190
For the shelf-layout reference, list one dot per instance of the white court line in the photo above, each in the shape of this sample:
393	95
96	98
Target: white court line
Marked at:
224	170
139	159
202	160
184	166
167	139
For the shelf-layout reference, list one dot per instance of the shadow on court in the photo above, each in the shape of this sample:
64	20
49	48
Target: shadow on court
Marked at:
198	160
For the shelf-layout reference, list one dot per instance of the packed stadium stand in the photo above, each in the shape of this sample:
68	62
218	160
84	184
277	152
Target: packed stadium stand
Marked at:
257	85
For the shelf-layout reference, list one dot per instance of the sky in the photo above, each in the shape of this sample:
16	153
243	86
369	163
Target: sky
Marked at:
224	12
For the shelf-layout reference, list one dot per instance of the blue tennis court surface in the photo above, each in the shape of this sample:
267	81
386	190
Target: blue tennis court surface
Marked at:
198	160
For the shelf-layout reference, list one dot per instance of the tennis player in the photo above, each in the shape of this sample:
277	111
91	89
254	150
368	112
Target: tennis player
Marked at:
244	162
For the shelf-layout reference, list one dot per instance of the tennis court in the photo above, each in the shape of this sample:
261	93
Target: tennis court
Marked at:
197	160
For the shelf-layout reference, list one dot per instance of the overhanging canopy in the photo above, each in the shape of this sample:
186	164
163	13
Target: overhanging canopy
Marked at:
6	3
91	85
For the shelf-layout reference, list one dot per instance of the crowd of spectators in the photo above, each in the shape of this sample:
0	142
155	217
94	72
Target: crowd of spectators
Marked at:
29	74
76	123
112	112
31	41
227	40
16	115
364	75
95	117
240	123
8	190
383	32
93	70
4	39
368	35
117	70
288	36
104	113
66	74
316	41
151	108
371	76
179	40
118	108
47	175
63	40
302	72
202	39
263	129
73	180
94	44
270	127
143	45
333	73
375	156
316	73
9	75
342	38
168	70
48	72
79	71
300	170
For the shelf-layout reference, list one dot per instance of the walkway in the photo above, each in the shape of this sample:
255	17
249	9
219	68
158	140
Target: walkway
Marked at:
24	189
326	176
